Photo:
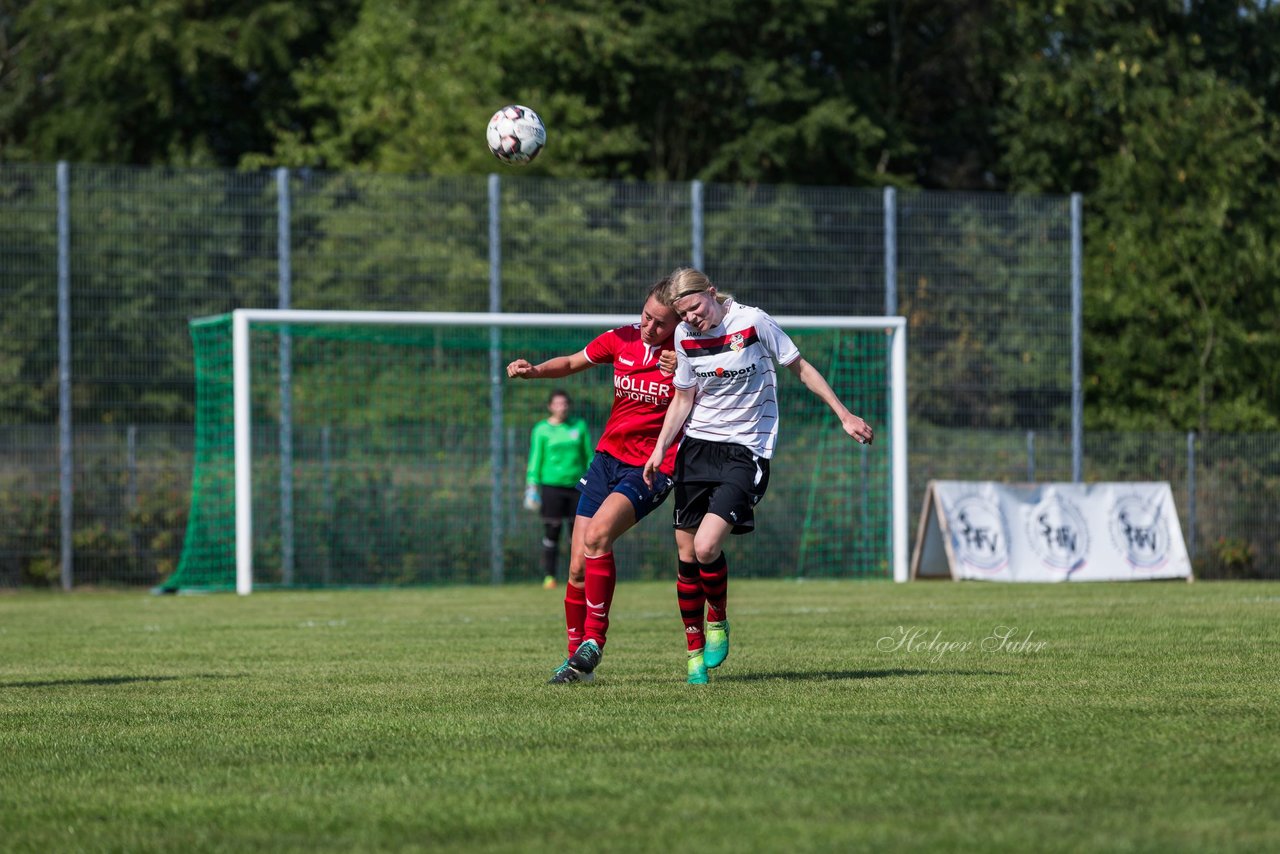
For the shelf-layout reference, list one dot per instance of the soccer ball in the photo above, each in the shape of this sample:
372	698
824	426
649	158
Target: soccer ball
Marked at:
516	135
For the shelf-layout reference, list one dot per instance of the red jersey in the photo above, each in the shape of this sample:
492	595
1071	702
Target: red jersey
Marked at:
641	394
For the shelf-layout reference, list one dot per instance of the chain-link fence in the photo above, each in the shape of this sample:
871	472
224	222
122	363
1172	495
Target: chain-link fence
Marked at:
96	403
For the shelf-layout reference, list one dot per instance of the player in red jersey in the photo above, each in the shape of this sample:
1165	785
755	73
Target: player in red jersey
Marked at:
614	494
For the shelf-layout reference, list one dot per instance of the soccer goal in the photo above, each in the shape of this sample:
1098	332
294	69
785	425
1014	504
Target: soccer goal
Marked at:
350	448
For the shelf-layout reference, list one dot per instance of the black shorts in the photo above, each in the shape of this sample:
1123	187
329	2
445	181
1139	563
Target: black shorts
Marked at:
559	502
721	478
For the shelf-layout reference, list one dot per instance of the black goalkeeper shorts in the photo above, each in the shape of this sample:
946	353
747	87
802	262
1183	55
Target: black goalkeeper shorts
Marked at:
559	502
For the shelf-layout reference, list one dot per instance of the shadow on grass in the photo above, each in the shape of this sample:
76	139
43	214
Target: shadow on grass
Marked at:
833	675
112	680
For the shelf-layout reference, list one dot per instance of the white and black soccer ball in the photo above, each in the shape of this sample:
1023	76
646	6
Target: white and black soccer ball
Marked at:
516	135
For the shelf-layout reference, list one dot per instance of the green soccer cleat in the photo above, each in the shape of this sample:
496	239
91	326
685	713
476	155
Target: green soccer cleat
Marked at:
697	668
587	658
717	642
565	674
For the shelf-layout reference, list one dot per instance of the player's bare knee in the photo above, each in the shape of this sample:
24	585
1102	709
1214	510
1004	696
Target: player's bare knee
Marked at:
706	551
598	540
706	556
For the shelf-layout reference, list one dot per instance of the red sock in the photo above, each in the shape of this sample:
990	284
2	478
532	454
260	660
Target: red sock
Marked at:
602	577
715	583
692	602
575	614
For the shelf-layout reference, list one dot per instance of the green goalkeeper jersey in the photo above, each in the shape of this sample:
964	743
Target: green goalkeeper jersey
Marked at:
559	453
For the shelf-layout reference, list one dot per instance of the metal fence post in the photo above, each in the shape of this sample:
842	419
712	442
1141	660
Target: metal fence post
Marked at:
696	226
66	461
131	488
1191	494
1077	314
284	208
495	381
330	507
1031	456
890	251
891	296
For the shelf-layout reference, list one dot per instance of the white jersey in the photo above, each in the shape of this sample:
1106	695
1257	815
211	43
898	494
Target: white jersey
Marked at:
733	367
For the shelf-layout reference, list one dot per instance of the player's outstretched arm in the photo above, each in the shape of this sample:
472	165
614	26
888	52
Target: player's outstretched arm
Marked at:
816	383
677	413
551	369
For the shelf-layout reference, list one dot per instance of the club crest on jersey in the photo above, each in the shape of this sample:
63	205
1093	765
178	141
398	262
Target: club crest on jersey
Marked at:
736	342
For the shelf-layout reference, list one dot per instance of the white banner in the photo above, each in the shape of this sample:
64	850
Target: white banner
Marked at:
1049	532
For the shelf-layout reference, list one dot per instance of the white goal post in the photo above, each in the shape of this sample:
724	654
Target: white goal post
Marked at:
242	319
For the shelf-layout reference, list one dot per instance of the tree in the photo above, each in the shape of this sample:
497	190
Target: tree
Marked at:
721	90
1179	169
178	82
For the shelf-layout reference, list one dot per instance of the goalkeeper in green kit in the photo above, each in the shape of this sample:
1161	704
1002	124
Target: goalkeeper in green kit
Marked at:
560	451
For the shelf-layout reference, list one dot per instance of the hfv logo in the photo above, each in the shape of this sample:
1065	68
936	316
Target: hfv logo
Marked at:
980	538
1058	533
1140	531
978	533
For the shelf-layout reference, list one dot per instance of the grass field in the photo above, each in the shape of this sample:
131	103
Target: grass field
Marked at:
849	716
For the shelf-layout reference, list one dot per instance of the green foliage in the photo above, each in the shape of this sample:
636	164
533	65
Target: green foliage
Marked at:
1235	558
30	540
1188	322
411	85
974	295
139	545
179	82
1180	169
670	91
1107	96
1163	114
28	268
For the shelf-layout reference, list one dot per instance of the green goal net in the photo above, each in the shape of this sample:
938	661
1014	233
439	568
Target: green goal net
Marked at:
380	449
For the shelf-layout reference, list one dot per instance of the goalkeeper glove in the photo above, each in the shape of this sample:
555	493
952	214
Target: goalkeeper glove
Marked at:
532	501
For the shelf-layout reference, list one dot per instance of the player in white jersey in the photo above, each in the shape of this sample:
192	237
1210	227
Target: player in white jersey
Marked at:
726	401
